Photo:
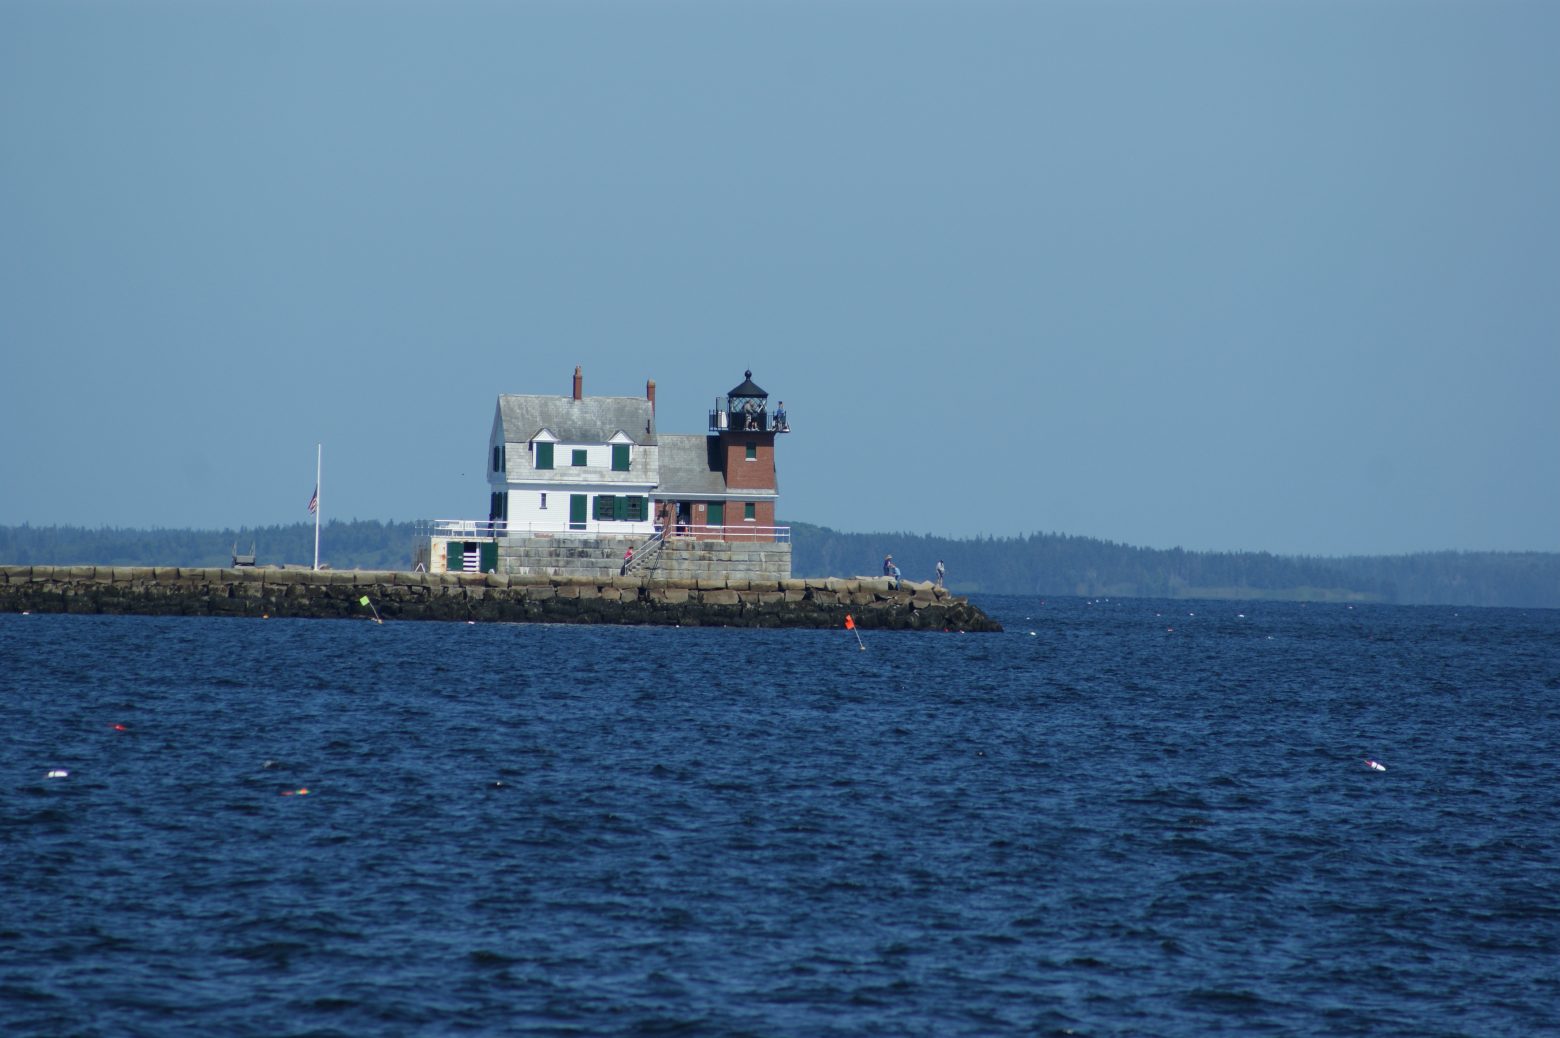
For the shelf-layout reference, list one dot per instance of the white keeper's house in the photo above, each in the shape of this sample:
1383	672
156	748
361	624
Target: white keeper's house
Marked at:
576	482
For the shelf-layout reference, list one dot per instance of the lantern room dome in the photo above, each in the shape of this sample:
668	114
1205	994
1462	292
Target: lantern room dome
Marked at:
748	388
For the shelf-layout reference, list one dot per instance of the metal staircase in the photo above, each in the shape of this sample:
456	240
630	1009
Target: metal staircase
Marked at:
646	552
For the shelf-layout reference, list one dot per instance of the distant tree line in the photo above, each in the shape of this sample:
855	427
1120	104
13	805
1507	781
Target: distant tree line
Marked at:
1036	564
354	544
1058	564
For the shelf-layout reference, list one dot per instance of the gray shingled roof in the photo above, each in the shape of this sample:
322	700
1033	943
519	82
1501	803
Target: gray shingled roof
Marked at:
595	419
689	466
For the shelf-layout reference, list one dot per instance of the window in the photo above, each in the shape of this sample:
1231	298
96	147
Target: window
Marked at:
749	511
623	508
620	457
752	452
498	458
544	502
544	452
579	458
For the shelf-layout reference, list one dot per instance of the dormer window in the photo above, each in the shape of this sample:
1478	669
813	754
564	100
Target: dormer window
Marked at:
544	455
620	457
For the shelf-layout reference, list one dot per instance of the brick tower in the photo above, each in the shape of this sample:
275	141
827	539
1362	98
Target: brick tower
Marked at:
743	430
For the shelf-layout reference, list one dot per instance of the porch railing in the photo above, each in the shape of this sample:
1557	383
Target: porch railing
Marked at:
493	529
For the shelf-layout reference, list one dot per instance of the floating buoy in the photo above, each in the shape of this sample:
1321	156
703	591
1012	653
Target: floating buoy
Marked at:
57	773
296	792
119	728
1375	765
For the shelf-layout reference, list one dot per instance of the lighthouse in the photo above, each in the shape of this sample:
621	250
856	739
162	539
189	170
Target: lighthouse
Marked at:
742	434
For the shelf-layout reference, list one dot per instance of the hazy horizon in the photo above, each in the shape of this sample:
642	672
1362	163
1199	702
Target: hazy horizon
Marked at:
1228	277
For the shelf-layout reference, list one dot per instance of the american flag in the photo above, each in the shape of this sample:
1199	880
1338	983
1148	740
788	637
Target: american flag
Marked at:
314	501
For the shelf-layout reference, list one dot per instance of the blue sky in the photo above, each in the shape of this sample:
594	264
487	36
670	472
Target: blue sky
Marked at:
1237	275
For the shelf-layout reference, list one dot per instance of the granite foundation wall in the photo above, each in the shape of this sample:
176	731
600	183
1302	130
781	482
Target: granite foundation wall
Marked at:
634	599
678	559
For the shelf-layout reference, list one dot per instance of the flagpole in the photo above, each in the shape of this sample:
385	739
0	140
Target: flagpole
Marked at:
319	454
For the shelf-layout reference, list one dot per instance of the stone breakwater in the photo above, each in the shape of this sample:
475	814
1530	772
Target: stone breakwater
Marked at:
496	597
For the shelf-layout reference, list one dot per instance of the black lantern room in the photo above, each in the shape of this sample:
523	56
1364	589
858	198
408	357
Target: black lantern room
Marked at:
744	409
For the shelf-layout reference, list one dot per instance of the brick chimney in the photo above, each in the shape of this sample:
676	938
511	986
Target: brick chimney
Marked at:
650	394
579	384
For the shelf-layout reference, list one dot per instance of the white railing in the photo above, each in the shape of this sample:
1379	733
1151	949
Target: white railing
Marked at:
733	532
492	529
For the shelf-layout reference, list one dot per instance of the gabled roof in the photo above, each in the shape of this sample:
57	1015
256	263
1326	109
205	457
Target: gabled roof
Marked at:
690	466
595	419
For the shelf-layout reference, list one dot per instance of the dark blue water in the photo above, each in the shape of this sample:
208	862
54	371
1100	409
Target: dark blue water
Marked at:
1117	818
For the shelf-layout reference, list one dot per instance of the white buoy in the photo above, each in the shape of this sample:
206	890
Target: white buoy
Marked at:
57	773
1375	765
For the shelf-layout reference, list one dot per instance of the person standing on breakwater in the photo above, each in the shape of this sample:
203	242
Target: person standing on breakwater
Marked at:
891	571
939	573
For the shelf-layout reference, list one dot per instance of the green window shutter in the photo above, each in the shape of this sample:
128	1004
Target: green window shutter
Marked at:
577	513
544	454
579	459
488	557
638	508
620	457
717	514
620	507
454	556
605	503
503	457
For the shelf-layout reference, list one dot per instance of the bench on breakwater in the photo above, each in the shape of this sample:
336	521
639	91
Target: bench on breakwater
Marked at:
816	602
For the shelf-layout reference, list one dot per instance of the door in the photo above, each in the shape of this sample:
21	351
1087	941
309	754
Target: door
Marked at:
488	557
717	513
577	511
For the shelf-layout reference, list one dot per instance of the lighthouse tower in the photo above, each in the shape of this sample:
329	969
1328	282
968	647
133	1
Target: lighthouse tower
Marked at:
742	437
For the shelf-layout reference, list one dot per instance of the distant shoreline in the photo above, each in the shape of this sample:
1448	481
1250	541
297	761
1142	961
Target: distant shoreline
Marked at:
1038	564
